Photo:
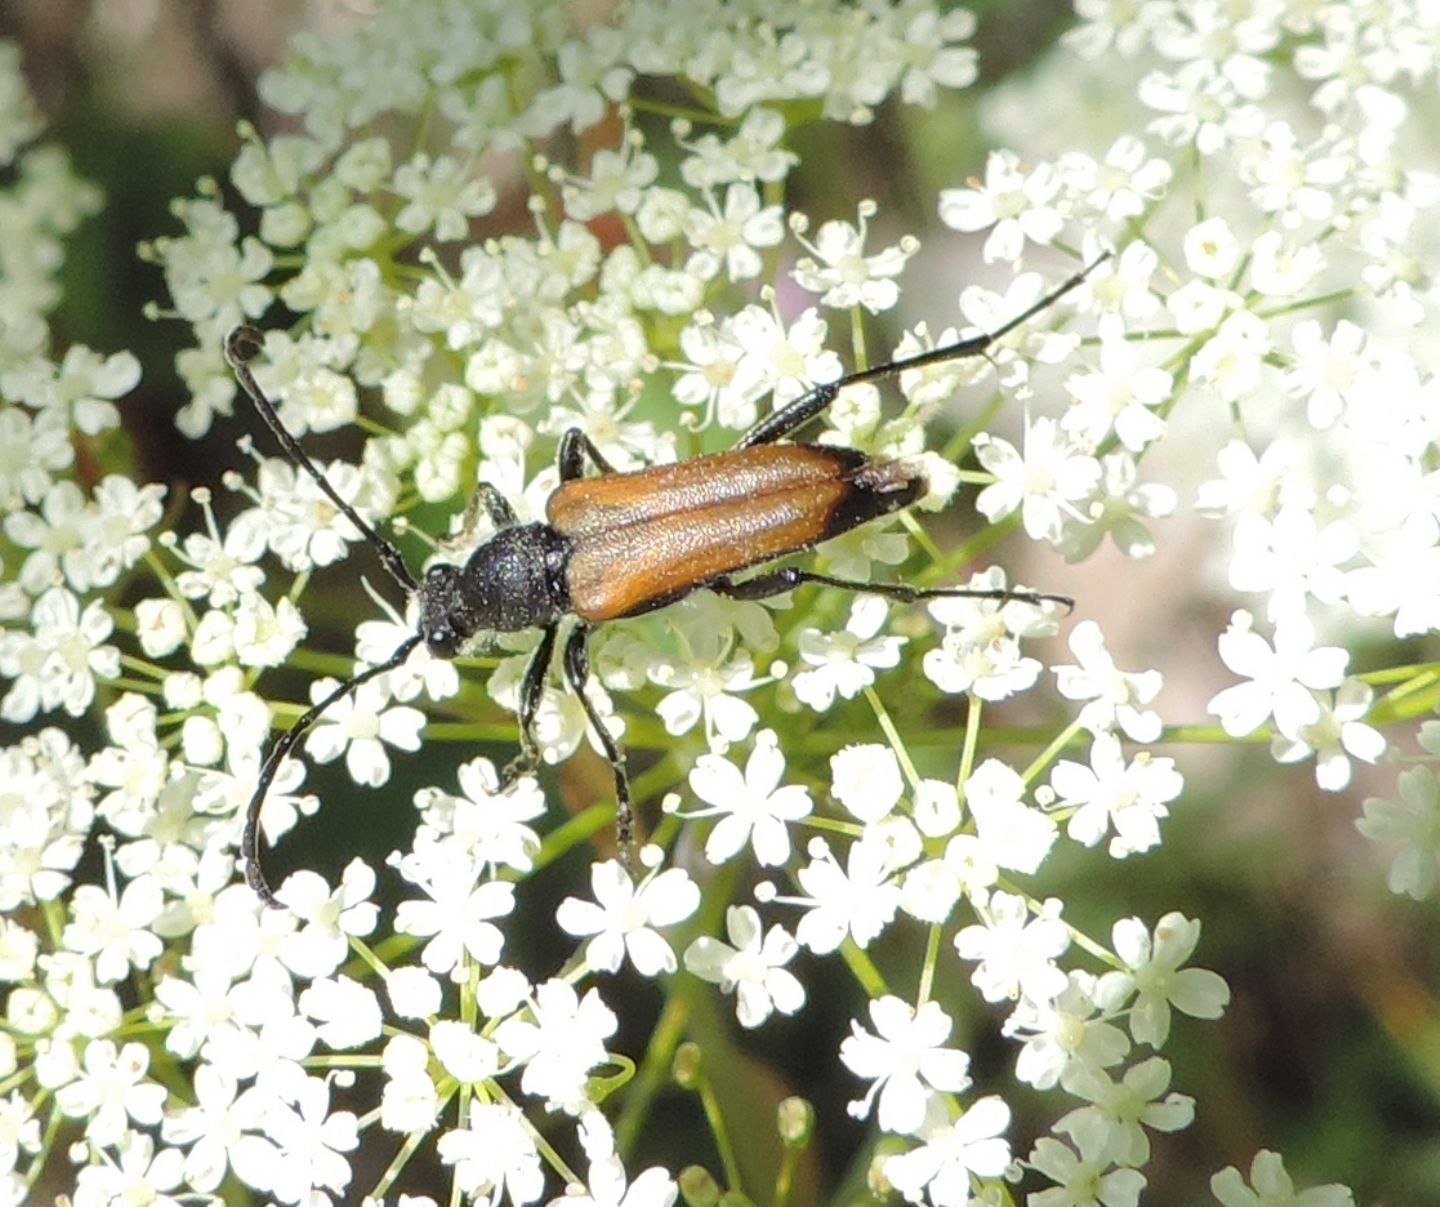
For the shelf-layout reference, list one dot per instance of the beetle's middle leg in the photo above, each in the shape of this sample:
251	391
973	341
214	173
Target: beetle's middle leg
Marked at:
575	446
493	503
577	673
787	578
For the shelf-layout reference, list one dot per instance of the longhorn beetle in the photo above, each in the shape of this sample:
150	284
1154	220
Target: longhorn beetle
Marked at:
621	544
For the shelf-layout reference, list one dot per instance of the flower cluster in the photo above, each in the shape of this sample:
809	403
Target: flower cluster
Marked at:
491	225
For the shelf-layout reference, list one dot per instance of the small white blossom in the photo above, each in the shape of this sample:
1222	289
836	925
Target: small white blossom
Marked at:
753	969
752	805
844	663
1015	204
980	651
905	1061
857	901
940	1170
1273	1187
1114	695
1043	483
842	273
1125	1108
1015	954
624	917
494	1154
1337	734
1154	970
560	1042
1086	1177
1281	677
360	726
1132	797
1412	822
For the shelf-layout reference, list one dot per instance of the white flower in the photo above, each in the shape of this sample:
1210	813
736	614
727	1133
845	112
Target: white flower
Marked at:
57	664
606	1187
784	360
329	916
1114	695
110	1089
1116	509
1120	396
441	193
704	688
980	651
1044	482
1015	202
1337	734
1292	558
494	1154
624	917
310	1139
1009	833
409	1101
117	932
904	1061
1281	678
560	1043
1297	183
1123	1109
844	663
464	1054
1119	187
1211	249
1069	1028
1086	1178
456	918
1131	797
212	1127
857	901
360	726
953	1153
486	822
347	1012
139	1175
1159	981
1272	1185
751	805
844	275
1414	823
732	236
1232	362
1014	953
865	778
753	969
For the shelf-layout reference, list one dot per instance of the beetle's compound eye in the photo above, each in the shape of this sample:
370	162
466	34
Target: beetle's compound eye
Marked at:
442	641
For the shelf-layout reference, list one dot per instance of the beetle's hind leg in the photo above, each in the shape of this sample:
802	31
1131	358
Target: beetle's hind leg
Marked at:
577	674
787	578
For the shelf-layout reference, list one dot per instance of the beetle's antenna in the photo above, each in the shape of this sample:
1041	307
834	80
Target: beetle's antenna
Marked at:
240	347
796	414
975	345
250	836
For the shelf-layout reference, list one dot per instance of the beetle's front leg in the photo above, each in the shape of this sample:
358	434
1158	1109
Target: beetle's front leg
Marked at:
577	674
532	689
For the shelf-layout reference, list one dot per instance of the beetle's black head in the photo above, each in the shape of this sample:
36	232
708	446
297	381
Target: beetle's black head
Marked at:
440	611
